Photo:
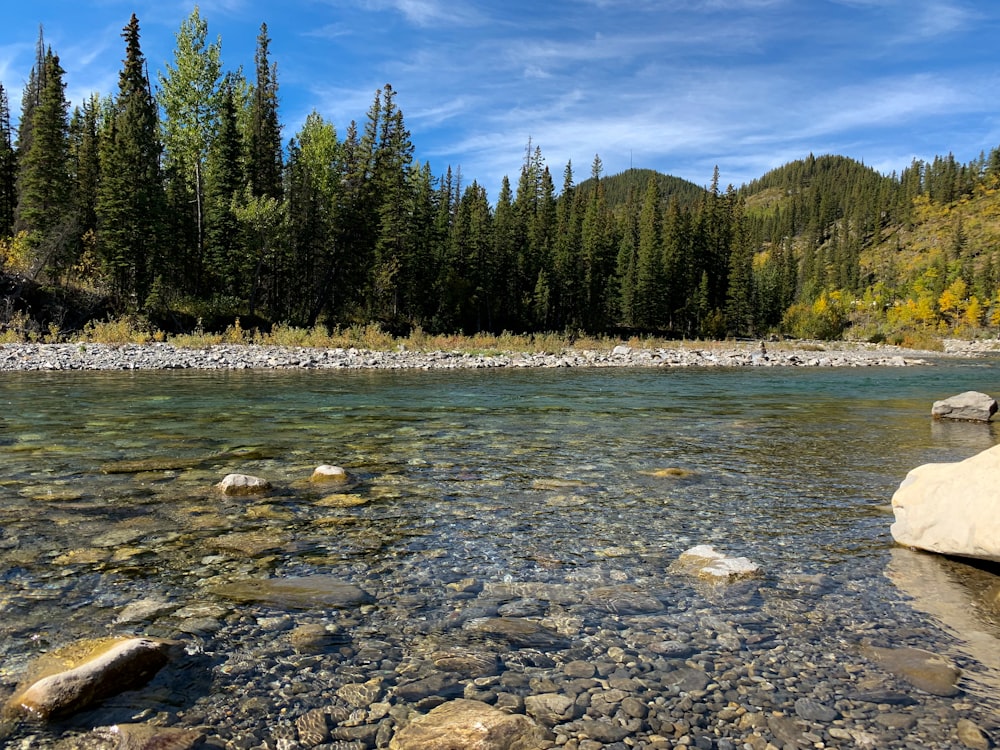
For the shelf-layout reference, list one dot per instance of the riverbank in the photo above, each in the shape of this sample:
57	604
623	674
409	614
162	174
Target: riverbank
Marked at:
166	356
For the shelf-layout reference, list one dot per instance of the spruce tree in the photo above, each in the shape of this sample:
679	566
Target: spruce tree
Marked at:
86	165
314	174
8	169
649	260
264	157
130	198
224	263
43	181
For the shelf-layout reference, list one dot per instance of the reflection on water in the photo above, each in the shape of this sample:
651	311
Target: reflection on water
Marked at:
541	478
959	597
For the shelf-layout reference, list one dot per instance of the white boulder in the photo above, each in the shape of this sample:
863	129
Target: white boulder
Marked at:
951	508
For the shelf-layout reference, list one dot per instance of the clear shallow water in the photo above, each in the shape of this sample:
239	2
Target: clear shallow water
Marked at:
503	476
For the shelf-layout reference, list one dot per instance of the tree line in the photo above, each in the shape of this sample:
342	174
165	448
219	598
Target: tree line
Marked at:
178	201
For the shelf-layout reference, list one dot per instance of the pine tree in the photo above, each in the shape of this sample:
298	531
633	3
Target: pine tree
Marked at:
264	158
392	292
130	198
43	181
8	169
598	252
314	182
31	95
86	166
649	266
740	290
225	268
508	236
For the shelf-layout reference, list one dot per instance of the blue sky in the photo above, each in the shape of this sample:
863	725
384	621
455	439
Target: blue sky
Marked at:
678	86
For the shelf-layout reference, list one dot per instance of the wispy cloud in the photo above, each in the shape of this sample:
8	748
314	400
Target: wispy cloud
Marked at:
431	12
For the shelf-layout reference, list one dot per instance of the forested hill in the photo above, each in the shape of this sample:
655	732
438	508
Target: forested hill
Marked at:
619	188
186	207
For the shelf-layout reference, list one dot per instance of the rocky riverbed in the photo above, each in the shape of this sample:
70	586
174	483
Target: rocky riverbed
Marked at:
163	356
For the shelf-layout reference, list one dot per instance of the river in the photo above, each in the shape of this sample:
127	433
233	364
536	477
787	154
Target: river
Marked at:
535	495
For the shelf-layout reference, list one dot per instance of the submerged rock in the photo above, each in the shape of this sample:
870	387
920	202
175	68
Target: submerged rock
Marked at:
140	737
924	670
971	406
470	724
951	508
81	674
297	592
705	562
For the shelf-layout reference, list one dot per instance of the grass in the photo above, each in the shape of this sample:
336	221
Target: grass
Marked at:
137	330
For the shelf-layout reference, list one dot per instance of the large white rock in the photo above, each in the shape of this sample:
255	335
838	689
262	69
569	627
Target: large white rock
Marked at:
951	508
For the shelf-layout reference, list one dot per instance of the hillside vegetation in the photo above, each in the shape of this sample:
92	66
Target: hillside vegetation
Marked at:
179	208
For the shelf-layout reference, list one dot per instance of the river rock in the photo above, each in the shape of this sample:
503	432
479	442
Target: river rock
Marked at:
971	406
705	562
81	674
328	473
469	724
297	592
951	508
924	670
550	708
518	632
138	737
243	484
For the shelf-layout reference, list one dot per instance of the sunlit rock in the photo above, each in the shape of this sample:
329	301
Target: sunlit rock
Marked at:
243	484
971	406
470	724
328	473
705	562
140	737
951	508
81	674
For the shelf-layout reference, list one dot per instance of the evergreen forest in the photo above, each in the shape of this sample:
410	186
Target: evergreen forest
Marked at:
177	202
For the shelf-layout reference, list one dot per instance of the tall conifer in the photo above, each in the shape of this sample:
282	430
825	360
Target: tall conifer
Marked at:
43	181
130	199
8	168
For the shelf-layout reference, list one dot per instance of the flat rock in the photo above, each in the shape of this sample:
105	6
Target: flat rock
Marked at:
470	725
705	562
951	508
518	632
297	592
924	670
84	673
971	406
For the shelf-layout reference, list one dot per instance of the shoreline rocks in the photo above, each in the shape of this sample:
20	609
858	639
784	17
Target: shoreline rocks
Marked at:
163	356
